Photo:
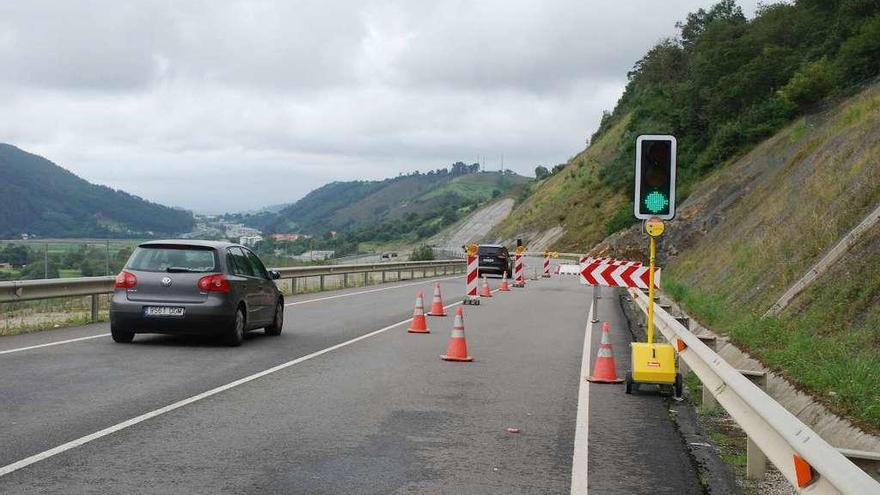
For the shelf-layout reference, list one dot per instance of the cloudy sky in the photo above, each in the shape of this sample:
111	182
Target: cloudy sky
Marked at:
232	105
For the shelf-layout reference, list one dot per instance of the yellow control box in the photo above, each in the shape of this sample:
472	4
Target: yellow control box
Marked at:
653	363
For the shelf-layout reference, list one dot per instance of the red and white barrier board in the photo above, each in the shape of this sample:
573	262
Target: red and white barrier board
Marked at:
546	266
519	279
618	274
472	266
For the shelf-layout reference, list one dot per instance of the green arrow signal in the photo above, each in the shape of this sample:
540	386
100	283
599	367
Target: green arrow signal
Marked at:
656	202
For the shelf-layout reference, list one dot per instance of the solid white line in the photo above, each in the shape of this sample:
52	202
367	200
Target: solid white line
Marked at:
68	341
337	296
177	405
579	467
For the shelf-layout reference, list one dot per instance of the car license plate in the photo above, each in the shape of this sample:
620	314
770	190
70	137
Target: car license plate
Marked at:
489	260
163	311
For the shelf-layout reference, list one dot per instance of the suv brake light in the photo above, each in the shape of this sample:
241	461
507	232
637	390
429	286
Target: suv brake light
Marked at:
214	283
126	280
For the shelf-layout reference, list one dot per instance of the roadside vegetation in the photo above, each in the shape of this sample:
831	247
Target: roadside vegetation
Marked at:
722	86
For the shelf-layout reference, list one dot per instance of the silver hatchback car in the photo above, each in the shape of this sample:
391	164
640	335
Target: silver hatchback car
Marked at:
195	287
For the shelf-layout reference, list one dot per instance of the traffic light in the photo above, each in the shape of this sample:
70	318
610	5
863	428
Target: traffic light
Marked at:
655	177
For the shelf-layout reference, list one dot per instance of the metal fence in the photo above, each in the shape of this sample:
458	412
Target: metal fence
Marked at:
807	461
32	290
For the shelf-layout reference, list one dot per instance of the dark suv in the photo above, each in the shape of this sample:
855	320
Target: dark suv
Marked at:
195	287
493	259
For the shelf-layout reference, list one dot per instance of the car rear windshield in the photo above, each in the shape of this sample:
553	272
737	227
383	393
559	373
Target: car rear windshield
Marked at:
189	259
490	250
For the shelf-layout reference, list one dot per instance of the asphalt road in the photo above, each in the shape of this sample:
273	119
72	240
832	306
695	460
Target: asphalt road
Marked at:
378	414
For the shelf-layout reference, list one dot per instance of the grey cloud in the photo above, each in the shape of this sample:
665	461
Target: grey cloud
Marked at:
280	97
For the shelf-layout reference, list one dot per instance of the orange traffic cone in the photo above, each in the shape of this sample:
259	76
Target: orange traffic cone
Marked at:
504	287
485	292
437	308
457	348
605	371
419	324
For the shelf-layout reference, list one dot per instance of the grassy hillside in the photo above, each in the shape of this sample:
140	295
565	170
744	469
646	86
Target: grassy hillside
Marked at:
722	86
575	198
358	205
778	127
812	183
39	197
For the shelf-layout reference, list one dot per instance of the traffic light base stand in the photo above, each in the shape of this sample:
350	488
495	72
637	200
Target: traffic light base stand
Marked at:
653	364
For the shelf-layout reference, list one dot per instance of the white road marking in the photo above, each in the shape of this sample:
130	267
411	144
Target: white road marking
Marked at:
80	339
15	466
370	291
579	466
68	341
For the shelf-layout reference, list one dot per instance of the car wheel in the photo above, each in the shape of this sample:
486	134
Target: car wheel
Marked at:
278	323
236	332
120	335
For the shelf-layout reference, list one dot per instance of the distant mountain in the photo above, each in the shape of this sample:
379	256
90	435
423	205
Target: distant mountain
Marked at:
358	204
41	198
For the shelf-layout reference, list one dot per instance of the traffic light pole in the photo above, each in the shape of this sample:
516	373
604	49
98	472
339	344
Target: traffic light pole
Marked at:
651	292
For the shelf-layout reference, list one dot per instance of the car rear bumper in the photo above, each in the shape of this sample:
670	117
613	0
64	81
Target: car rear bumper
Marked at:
499	269
213	317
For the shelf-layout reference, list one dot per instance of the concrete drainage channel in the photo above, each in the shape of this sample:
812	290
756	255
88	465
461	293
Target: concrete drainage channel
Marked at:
704	432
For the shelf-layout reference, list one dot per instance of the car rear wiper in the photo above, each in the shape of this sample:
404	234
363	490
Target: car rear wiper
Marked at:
181	269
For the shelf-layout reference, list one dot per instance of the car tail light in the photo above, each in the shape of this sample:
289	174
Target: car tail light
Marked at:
126	280
502	256
214	283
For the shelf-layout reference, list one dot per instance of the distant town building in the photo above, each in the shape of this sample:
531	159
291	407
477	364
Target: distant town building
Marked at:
288	237
238	230
5	266
250	240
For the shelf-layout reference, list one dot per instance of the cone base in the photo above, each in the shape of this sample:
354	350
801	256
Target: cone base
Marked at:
438	314
593	379
453	358
411	330
485	295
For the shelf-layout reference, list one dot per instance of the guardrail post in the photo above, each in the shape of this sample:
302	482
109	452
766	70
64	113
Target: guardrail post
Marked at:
756	461
398	275
94	298
708	398
293	286
595	304
383	276
321	283
366	275
344	280
412	274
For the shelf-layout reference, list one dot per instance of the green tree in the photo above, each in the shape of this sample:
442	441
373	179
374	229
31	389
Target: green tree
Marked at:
422	253
37	270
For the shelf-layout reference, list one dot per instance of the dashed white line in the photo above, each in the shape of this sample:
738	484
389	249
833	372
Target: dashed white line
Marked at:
579	466
295	303
15	466
369	291
68	341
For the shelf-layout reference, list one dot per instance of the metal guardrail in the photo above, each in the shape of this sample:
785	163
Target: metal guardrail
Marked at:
30	290
779	434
